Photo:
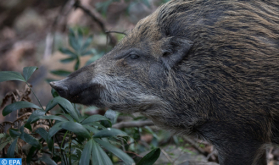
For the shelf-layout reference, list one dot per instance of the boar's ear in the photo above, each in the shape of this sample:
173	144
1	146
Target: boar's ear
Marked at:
174	51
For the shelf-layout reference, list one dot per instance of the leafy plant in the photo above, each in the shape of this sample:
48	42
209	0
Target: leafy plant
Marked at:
84	135
102	7
69	137
150	158
79	46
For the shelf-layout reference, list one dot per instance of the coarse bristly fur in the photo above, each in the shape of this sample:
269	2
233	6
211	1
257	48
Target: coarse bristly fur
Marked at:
204	67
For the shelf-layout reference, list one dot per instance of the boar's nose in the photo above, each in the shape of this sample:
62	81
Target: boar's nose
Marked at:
60	88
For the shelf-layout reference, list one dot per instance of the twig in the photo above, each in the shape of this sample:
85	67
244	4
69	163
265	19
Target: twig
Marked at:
180	153
35	96
164	152
70	145
38	150
116	32
211	155
123	146
133	124
144	144
64	10
193	144
97	19
129	152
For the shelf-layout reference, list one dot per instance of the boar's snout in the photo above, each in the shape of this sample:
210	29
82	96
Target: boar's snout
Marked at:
76	92
60	88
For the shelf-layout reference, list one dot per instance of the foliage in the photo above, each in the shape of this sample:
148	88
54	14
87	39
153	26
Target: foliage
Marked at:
103	6
72	138
86	133
79	46
150	158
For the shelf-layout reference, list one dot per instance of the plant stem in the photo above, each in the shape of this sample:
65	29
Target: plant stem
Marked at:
70	148
35	95
61	150
64	138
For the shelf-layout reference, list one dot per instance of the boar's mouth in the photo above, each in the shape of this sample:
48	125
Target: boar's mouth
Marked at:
118	98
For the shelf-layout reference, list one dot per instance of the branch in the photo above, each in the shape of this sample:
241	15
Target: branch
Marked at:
63	12
133	124
116	32
194	144
164	152
95	17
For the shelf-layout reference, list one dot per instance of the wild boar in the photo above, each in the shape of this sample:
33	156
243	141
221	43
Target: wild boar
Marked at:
203	67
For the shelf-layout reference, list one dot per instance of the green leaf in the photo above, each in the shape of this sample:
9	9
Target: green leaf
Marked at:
54	129
93	118
106	124
111	115
116	151
54	93
150	158
77	128
80	37
68	52
11	149
14	133
92	129
103	6
45	158
65	105
69	117
34	117
3	144
3	135
99	156
146	3
29	139
110	132
77	64
98	125
10	75
30	155
89	52
18	105
151	131
62	73
44	134
53	117
67	60
86	153
4	140
28	71
73	41
87	43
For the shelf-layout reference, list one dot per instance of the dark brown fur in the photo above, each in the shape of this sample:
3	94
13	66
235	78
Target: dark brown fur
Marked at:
210	68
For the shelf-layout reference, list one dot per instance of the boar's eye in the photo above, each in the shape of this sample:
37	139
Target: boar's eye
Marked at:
134	56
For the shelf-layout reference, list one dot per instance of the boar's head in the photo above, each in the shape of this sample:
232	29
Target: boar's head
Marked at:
131	77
